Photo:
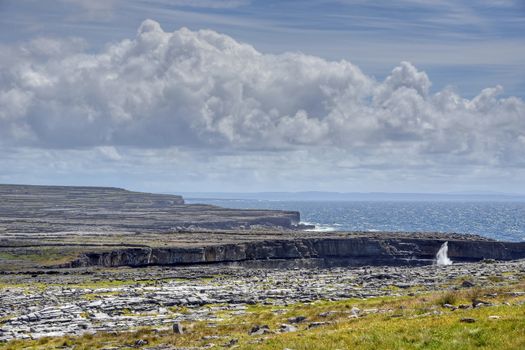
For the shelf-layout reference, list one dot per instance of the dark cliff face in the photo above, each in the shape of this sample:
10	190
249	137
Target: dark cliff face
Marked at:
345	251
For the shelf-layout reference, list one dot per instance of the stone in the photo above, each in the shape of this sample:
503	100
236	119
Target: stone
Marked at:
467	320
100	316
286	328
231	343
451	307
141	342
467	284
297	319
211	337
371	311
259	330
317	324
177	328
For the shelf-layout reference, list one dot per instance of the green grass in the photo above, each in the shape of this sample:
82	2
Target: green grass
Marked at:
416	322
91	284
43	256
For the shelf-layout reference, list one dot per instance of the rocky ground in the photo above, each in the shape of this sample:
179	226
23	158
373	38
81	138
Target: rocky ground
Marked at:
105	210
78	301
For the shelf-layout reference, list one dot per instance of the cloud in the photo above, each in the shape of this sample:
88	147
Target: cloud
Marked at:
203	91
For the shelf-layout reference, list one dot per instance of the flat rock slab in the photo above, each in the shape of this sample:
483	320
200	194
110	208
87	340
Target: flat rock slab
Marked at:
74	302
55	209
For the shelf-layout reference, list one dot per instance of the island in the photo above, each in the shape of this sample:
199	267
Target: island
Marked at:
97	267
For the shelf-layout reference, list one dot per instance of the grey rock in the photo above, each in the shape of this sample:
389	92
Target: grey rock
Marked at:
286	328
451	307
259	330
297	319
141	342
467	284
355	311
317	324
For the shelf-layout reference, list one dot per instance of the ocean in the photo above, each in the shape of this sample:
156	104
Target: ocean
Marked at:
498	220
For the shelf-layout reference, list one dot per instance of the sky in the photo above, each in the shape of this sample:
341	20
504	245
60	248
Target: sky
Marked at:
249	96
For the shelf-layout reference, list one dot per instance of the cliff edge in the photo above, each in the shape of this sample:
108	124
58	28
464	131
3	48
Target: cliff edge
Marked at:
55	209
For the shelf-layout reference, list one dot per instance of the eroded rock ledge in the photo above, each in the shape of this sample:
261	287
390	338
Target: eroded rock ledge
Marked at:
345	250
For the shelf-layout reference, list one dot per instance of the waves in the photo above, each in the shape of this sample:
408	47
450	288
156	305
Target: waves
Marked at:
498	220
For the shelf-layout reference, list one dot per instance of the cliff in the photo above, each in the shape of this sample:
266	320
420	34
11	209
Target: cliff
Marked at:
54	209
349	251
99	226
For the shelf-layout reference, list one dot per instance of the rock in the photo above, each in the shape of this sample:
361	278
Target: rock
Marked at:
371	311
451	307
316	324
141	342
494	317
297	319
259	330
480	303
467	320
100	316
130	211
286	328
467	284
177	328
231	343
211	337
64	309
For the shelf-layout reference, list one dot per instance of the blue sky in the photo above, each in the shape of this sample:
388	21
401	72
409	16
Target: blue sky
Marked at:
466	44
347	95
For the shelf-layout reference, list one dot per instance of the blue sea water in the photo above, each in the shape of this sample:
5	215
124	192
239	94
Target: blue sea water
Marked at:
498	220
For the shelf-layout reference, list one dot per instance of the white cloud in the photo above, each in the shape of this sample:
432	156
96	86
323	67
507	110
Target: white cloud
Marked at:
205	91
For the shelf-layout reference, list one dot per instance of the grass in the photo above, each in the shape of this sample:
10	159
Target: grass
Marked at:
43	256
95	296
91	284
406	322
449	297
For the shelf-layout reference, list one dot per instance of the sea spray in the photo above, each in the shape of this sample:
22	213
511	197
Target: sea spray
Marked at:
442	256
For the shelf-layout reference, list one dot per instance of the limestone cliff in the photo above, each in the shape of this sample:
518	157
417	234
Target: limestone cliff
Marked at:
55	209
325	251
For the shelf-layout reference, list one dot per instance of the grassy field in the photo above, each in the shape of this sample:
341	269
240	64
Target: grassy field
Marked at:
408	322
